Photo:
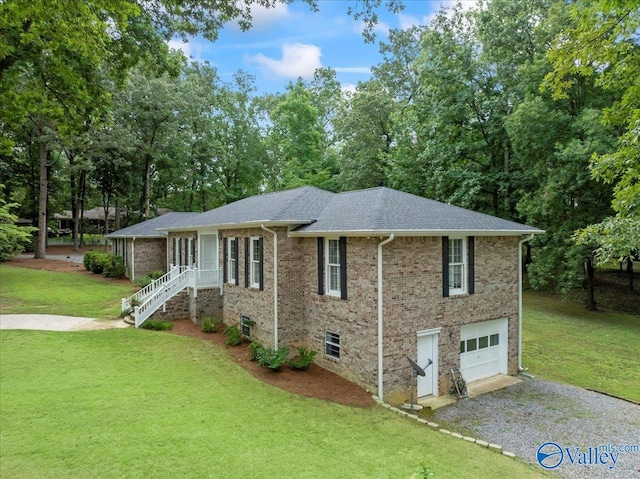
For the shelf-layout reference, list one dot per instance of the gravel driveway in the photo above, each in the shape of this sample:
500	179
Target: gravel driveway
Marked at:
529	414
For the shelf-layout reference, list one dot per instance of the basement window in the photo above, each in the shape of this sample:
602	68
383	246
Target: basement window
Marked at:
245	325
332	344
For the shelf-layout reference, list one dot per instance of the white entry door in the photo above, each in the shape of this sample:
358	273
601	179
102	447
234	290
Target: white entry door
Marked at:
208	255
428	350
483	349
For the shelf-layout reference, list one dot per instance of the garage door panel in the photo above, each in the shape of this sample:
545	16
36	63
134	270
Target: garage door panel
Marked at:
483	349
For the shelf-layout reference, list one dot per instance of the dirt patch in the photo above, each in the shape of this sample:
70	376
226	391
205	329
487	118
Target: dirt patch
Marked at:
316	382
61	265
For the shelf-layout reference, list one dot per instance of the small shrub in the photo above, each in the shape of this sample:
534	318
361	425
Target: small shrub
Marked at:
273	359
147	279
255	348
156	325
209	325
99	261
87	260
233	335
303	360
114	267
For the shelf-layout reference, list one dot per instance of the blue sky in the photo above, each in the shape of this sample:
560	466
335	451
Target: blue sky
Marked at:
291	41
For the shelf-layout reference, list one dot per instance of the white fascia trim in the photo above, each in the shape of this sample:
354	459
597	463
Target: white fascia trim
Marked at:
428	332
459	233
242	225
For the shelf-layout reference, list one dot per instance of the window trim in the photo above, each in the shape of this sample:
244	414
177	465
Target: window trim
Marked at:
331	343
231	260
464	264
328	267
254	248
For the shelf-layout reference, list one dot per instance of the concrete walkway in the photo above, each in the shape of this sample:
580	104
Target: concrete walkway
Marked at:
50	322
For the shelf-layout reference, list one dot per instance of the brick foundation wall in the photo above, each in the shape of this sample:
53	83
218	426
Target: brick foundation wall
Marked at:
240	300
208	304
176	308
185	305
413	302
354	319
150	255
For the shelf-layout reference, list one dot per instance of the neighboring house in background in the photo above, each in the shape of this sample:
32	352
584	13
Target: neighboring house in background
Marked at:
365	278
143	247
93	220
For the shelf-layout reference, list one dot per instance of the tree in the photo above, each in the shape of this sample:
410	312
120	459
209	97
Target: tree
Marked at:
603	45
13	238
297	140
366	135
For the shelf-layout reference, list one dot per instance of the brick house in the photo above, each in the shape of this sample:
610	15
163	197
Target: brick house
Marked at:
367	278
142	246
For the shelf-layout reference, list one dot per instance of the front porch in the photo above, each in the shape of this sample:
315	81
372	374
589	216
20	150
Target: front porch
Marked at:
178	281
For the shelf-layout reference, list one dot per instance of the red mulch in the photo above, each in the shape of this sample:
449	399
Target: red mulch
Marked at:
316	382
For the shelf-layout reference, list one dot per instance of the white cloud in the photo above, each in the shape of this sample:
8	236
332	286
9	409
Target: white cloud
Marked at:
352	69
262	17
298	60
349	88
180	45
408	21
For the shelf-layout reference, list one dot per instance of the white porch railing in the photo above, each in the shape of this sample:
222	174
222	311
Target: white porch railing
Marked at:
147	301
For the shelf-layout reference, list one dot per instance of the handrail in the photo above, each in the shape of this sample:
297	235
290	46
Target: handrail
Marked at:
173	282
139	296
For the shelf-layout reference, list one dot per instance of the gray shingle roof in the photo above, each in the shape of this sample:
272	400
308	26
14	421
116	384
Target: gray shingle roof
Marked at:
384	210
149	228
375	211
296	206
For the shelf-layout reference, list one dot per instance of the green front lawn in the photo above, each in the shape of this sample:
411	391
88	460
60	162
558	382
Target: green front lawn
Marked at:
564	342
135	403
31	291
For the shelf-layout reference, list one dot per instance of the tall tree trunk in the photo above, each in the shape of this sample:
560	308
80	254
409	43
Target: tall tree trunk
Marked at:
73	188
42	202
78	224
146	189
117	226
591	301
630	271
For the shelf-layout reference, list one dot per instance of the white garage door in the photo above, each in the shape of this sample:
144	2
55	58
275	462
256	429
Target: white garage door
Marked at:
483	349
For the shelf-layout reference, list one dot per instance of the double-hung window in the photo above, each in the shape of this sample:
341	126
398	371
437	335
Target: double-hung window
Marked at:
457	266
232	260
255	262
332	344
333	267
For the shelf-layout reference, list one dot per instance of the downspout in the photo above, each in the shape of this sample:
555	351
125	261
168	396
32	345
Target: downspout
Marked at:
275	284
520	243
380	348
133	259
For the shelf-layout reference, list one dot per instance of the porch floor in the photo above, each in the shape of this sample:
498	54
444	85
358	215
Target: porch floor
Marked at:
474	389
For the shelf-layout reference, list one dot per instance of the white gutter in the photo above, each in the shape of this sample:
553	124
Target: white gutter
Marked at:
275	284
380	348
520	243
133	258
